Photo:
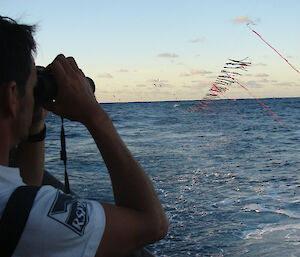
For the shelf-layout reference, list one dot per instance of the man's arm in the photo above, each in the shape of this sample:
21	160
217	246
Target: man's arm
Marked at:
29	156
138	218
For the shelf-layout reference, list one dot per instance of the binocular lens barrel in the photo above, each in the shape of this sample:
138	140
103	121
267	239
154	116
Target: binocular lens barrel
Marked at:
46	88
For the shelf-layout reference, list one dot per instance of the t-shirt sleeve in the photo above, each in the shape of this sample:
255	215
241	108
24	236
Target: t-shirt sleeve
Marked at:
62	225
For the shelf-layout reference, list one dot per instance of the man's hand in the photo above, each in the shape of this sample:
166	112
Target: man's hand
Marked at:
75	99
38	120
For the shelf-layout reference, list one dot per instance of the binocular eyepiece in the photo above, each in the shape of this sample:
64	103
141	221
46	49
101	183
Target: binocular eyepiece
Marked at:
46	88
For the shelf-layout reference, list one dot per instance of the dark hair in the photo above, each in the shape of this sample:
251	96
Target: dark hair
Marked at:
16	46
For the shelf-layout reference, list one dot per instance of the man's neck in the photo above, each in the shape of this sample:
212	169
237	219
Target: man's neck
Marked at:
5	145
4	158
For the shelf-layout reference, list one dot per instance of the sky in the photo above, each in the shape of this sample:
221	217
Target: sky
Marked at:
164	50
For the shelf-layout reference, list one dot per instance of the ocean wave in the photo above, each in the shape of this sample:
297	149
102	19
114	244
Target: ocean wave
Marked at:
258	233
261	208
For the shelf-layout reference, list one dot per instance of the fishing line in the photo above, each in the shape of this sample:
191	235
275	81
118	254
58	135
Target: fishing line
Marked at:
272	48
63	155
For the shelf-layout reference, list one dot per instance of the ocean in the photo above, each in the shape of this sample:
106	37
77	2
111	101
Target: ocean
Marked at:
228	177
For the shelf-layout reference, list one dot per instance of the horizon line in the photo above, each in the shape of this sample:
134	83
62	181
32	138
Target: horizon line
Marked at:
165	101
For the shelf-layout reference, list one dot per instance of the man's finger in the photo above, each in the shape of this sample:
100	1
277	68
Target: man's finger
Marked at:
65	64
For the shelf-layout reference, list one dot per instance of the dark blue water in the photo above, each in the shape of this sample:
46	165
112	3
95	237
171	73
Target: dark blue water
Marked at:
229	182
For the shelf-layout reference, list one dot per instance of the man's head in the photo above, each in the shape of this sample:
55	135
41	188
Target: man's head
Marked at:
16	47
17	75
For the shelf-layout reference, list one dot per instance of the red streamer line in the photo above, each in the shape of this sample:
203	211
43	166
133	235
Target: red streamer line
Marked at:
205	106
216	104
261	103
220	92
273	48
232	107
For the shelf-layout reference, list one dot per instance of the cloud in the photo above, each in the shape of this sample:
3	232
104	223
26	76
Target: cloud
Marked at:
194	72
253	84
105	75
262	80
159	83
156	81
286	84
212	77
196	40
240	19
167	55
203	83
103	92
243	19
261	75
141	85
290	57
163	85
185	86
184	74
151	80
260	64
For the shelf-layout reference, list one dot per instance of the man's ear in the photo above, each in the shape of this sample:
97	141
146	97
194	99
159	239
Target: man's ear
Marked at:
9	99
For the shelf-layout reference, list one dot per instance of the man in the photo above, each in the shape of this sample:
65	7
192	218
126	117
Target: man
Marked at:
61	225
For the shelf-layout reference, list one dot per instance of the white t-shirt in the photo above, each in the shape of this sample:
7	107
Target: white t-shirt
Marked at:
59	224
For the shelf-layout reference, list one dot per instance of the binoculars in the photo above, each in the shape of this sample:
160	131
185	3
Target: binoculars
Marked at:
46	88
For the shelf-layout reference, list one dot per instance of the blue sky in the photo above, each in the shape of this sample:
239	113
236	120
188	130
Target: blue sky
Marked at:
125	46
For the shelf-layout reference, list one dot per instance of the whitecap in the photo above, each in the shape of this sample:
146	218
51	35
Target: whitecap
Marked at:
260	208
258	233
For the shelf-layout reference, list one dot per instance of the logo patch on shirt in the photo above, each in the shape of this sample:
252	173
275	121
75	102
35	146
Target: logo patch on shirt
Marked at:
70	211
